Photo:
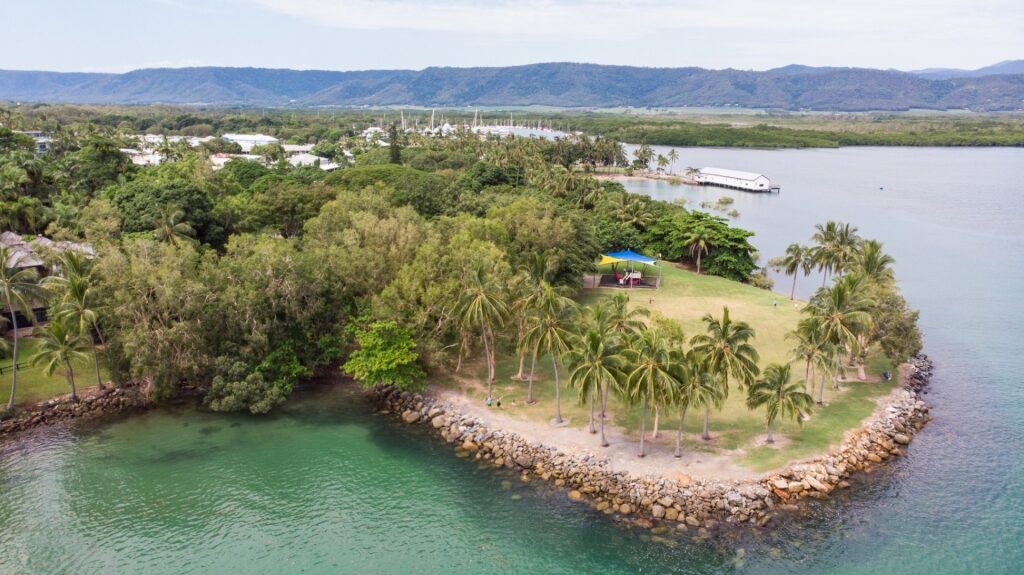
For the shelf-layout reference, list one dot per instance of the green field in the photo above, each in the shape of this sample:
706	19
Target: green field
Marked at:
686	297
33	383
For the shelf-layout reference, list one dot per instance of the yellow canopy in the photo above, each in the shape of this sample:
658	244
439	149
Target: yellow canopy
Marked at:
605	260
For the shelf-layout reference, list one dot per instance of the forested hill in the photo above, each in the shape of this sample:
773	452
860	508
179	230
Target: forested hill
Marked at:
555	84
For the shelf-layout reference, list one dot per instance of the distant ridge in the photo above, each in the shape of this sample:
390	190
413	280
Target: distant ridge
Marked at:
1005	67
792	87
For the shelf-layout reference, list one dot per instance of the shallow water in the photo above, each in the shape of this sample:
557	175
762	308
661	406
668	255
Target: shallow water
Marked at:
327	487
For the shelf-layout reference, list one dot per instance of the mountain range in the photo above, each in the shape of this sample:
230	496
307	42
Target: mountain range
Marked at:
995	88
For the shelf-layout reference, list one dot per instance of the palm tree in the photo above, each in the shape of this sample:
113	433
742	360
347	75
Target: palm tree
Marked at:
621	319
76	305
836	244
797	258
727	350
595	364
19	289
662	163
873	264
696	388
59	344
673	156
536	274
482	307
550	331
698	243
780	397
653	374
172	228
844	312
814	350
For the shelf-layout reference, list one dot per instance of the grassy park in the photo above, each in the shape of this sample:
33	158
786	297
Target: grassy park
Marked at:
33	383
737	431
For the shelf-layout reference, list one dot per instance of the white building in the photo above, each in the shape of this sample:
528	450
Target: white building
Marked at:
218	160
297	148
747	181
42	140
310	160
248	141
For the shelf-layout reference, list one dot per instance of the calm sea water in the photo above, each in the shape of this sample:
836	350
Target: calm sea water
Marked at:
326	487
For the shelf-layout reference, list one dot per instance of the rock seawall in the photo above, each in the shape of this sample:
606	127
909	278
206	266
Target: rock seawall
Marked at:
110	400
697	504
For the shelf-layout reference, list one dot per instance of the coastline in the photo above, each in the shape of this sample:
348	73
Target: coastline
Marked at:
675	502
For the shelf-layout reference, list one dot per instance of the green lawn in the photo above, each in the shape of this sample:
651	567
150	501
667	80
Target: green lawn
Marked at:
33	383
686	297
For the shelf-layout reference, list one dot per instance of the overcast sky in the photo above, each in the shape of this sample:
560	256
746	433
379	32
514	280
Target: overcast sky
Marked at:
121	35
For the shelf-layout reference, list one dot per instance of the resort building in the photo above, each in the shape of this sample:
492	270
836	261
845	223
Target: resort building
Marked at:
42	140
248	141
735	179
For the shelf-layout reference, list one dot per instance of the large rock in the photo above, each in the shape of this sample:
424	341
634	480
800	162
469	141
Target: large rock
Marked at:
575	495
410	416
901	438
525	461
657	511
439	421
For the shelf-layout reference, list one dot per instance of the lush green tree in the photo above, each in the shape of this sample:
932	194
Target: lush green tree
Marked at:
779	397
58	345
386	355
728	352
240	389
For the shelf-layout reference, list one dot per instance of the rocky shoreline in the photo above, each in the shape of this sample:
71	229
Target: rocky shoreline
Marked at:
109	400
662	503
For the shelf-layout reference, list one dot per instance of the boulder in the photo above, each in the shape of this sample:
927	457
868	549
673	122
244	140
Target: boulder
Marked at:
410	416
901	438
470	446
439	421
575	495
657	511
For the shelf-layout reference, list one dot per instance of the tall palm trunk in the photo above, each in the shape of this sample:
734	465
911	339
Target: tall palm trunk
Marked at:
529	388
643	423
698	262
558	390
71	380
604	403
770	439
14	362
792	292
821	390
807	374
592	430
490	368
679	433
707	422
657	415
522	364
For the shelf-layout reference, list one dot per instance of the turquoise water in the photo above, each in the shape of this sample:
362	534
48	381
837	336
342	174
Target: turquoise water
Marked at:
327	487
